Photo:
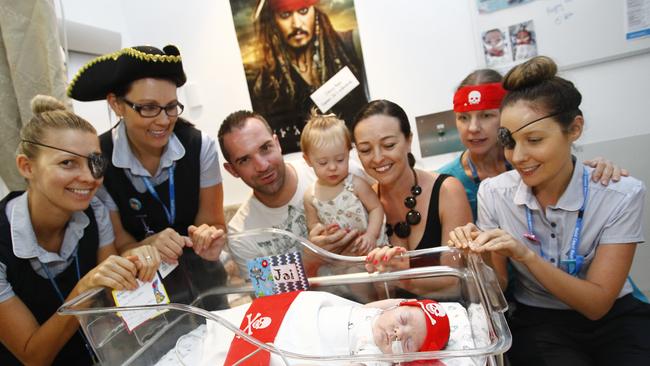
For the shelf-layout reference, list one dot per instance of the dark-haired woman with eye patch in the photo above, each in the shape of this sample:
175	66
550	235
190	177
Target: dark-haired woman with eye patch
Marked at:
163	185
56	240
570	241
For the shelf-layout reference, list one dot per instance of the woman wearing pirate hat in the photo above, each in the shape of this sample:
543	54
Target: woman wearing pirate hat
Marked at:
56	240
163	183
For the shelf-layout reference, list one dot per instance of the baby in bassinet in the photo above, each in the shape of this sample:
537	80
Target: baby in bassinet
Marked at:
322	324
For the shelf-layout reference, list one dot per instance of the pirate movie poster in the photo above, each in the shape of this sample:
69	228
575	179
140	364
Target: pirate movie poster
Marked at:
290	49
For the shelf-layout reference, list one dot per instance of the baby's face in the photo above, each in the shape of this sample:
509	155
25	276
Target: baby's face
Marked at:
523	37
330	163
493	38
403	323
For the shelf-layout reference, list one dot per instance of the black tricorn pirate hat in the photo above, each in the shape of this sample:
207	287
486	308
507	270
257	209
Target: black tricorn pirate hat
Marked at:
114	71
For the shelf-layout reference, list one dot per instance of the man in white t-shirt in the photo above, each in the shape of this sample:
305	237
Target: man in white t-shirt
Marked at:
252	152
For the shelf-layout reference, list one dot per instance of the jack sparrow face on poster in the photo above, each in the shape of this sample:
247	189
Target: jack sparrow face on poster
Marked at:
289	49
296	26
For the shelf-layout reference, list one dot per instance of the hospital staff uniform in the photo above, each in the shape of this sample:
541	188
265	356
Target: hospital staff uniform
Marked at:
542	324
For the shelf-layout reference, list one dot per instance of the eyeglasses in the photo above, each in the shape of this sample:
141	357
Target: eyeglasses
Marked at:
153	110
96	162
504	136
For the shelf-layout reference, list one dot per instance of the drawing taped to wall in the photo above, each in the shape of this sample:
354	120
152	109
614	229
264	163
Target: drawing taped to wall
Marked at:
523	40
507	46
496	47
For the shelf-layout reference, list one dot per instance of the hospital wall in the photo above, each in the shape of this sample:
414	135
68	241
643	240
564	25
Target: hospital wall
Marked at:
415	54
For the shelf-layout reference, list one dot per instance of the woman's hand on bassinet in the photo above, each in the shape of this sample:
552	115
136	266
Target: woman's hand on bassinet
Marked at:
501	242
114	272
462	236
386	258
148	261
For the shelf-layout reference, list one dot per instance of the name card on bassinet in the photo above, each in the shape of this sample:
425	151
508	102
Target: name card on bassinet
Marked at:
277	274
147	293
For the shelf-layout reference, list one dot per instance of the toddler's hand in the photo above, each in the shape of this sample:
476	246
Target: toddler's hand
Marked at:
363	244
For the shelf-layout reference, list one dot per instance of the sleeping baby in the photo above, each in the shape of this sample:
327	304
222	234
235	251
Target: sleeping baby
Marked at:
312	323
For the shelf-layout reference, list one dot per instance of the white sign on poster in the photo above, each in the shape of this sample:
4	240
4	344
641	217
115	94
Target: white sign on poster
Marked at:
334	89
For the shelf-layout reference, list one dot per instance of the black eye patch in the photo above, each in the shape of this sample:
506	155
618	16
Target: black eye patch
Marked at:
96	162
504	136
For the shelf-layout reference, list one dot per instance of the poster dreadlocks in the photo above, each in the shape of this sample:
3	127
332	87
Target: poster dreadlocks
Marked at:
290	48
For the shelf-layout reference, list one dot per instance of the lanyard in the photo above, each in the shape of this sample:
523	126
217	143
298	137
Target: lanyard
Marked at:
51	278
472	167
62	298
171	212
574	262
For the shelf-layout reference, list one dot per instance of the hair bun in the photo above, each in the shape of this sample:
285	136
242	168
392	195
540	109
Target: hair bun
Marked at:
45	103
530	73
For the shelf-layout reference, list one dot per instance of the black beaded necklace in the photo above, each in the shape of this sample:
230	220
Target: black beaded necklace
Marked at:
403	229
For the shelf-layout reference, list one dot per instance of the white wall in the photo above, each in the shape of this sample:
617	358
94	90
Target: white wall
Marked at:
109	15
631	152
104	15
614	95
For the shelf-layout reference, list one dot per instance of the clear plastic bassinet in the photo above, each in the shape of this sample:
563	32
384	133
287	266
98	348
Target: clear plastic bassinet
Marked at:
177	335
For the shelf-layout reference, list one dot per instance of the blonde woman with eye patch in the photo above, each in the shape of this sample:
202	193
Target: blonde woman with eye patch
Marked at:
56	240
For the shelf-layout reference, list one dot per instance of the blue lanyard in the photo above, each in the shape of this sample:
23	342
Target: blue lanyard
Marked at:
475	176
62	298
51	278
574	262
171	212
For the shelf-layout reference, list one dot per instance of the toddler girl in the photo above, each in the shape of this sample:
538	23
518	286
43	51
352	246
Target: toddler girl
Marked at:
338	198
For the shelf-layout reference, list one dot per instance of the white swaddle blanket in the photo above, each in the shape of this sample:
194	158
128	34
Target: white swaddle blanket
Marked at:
325	315
310	314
